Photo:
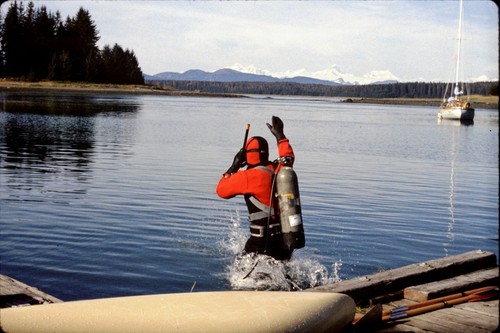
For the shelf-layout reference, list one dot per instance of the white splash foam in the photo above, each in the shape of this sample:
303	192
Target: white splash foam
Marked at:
261	272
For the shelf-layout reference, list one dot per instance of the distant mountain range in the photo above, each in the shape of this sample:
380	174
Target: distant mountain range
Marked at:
331	76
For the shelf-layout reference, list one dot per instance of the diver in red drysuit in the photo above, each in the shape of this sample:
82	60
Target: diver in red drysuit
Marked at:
256	185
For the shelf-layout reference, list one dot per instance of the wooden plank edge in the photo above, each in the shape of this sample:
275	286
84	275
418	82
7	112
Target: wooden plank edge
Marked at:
473	280
10	289
396	280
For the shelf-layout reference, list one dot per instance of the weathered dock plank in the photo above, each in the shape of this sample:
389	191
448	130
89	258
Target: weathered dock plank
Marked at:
473	319
473	280
444	323
462	273
477	317
394	281
401	328
487	309
441	323
16	293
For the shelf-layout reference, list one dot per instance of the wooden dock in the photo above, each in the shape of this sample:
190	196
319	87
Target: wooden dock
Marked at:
414	285
424	282
16	293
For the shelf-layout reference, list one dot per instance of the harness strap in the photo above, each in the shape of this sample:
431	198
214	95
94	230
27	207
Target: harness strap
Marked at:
263	168
260	231
264	210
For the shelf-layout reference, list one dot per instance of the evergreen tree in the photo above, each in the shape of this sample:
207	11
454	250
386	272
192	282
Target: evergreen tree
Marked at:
13	39
80	41
2	52
120	66
43	42
36	44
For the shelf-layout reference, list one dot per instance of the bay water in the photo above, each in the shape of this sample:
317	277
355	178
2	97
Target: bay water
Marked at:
106	195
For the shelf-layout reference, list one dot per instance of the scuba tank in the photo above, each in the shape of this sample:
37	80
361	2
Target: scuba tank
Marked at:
287	192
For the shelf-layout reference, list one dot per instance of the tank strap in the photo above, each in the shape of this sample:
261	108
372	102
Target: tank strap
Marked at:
263	168
264	210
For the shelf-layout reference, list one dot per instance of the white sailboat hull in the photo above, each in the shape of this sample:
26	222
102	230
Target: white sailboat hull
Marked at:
458	113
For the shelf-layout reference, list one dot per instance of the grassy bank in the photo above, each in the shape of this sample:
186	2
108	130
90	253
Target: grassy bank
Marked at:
13	85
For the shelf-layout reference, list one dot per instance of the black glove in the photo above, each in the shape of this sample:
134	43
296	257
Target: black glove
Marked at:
240	159
277	128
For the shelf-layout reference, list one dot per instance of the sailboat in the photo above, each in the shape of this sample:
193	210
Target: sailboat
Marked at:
456	106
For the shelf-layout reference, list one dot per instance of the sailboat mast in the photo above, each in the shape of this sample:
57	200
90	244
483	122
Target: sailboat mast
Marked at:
455	107
459	34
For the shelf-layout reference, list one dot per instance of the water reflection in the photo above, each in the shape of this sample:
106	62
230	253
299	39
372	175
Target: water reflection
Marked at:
35	139
43	136
456	122
450	235
71	104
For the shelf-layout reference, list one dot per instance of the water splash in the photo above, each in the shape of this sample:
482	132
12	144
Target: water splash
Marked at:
261	272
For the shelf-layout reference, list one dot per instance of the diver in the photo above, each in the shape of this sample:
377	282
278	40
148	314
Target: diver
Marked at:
256	183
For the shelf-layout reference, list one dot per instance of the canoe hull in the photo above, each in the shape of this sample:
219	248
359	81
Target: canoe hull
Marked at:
231	311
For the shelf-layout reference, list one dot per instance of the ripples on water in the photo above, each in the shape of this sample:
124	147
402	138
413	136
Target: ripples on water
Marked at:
105	195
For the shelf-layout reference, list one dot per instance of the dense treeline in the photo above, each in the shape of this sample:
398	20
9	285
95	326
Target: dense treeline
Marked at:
38	45
393	90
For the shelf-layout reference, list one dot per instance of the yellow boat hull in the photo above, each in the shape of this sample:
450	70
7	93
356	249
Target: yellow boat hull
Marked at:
229	311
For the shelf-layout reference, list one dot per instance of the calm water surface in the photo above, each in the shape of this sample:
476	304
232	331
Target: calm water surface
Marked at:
109	195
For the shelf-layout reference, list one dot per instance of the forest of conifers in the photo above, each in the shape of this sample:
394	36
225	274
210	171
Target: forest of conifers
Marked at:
392	90
39	45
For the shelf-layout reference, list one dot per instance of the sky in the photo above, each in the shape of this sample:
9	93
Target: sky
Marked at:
413	39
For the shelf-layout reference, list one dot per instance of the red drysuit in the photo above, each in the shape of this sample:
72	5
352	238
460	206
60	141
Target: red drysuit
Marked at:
256	185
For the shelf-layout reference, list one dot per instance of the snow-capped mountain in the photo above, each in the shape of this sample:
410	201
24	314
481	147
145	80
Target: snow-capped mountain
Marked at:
231	75
237	72
332	74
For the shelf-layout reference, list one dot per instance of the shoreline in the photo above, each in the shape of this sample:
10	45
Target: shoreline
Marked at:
102	88
478	102
481	102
